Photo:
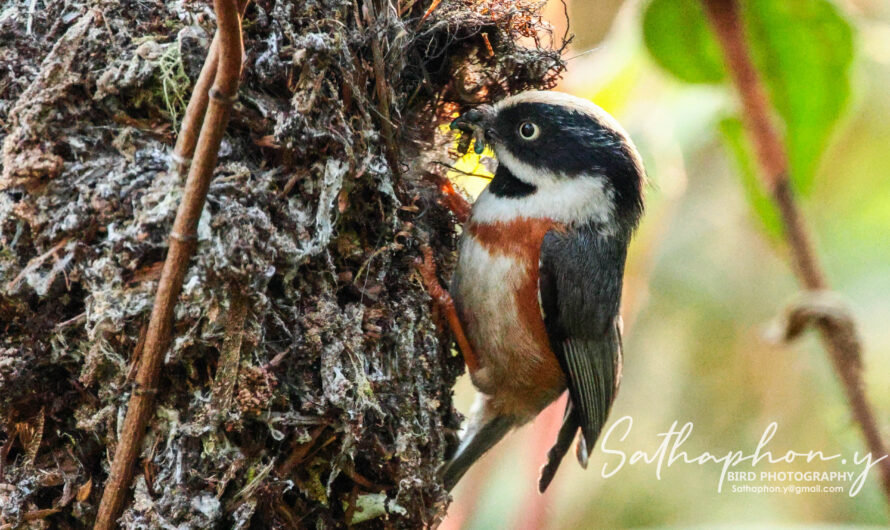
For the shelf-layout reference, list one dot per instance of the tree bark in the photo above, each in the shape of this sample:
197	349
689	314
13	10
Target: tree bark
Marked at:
306	380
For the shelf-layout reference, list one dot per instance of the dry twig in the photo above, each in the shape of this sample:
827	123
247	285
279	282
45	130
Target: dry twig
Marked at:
182	244
838	334
197	106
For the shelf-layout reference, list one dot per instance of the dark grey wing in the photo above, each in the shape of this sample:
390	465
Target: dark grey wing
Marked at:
580	287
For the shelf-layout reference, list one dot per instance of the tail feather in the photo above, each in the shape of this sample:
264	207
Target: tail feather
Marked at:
564	440
476	443
582	451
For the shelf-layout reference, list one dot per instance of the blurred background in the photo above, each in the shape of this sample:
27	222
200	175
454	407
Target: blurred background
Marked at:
706	274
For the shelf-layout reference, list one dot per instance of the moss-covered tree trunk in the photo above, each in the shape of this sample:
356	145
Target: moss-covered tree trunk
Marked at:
306	383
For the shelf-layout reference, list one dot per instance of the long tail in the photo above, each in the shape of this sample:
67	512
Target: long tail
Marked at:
564	440
475	443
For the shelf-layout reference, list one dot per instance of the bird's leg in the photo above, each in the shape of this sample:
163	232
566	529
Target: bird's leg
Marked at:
440	296
453	200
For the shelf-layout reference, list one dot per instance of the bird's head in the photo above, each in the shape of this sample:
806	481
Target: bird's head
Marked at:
559	156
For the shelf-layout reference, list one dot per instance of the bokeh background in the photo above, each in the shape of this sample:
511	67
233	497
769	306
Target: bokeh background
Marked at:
706	275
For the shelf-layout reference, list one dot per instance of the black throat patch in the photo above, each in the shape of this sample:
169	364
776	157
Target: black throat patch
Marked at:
505	184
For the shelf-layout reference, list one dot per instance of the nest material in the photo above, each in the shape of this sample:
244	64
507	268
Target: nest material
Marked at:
306	384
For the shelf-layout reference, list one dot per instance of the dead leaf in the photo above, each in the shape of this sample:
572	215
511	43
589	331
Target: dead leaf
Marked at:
83	492
30	435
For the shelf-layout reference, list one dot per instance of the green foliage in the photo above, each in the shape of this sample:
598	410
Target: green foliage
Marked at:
803	50
758	198
677	35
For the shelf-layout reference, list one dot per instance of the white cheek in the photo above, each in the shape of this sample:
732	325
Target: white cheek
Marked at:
521	170
567	200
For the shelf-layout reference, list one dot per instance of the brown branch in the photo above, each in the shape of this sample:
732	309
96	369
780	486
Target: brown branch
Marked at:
197	106
182	244
838	334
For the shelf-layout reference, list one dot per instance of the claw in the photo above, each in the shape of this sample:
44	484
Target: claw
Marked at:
453	200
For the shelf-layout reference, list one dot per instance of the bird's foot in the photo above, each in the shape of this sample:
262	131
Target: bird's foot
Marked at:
442	299
453	200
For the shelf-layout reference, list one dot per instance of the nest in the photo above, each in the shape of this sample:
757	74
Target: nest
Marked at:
307	383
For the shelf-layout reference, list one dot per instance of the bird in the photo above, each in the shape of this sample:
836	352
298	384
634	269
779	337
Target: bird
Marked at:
534	299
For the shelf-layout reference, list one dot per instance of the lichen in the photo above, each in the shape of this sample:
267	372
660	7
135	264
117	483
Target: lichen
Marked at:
307	376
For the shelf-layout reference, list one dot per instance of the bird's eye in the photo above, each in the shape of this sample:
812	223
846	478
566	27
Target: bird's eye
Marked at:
528	130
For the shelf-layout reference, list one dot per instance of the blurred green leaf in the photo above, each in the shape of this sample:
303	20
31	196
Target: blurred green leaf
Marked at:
677	35
764	209
802	48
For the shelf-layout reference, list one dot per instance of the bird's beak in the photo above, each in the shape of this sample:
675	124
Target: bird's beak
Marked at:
475	122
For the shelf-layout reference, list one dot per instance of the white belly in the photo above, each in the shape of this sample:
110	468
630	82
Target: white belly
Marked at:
485	294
